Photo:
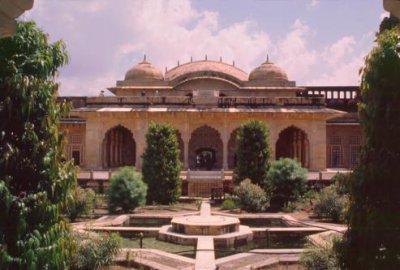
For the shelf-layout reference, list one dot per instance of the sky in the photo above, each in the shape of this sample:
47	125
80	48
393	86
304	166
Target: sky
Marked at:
317	42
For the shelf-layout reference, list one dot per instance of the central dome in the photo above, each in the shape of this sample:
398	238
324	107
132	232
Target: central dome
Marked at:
206	68
268	71
144	71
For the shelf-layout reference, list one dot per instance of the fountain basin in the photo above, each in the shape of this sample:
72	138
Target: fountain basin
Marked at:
243	235
205	225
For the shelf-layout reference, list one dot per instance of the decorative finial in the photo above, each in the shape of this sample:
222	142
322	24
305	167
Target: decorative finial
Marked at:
220	58
166	69
144	58
206	57
191	59
233	64
178	63
267	58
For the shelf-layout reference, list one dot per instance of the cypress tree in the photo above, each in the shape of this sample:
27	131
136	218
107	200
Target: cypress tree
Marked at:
161	166
252	153
34	180
373	238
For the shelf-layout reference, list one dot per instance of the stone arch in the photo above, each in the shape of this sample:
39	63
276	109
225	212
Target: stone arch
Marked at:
205	140
119	148
232	143
293	143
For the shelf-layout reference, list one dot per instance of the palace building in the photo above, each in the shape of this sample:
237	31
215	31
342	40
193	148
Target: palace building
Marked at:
207	101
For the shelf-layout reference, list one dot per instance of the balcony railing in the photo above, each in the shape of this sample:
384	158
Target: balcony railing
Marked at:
257	102
337	97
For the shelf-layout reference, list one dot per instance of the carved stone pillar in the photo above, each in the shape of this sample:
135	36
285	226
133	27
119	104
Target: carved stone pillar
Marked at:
225	140
140	138
94	139
185	138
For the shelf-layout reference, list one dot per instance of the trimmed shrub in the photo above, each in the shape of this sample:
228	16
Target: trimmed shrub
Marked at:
329	204
161	166
251	197
286	181
228	204
80	202
315	258
93	251
252	152
127	190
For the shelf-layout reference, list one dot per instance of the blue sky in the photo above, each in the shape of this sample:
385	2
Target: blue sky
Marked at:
318	42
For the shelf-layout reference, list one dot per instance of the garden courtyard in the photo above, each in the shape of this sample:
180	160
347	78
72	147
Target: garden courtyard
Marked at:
274	241
201	167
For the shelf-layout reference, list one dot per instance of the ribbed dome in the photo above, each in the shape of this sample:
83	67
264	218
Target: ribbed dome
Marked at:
144	71
197	67
268	71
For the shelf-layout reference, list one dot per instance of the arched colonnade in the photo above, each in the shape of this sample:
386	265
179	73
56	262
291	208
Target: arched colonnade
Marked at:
207	147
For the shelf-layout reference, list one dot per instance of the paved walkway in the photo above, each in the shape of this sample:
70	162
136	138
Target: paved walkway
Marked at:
205	258
205	208
156	259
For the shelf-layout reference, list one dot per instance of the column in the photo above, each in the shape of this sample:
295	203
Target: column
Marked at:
225	139
140	139
317	146
112	148
273	138
185	139
119	149
298	145
185	133
294	146
93	142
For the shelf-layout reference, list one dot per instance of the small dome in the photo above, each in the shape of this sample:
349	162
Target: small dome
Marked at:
144	71
268	71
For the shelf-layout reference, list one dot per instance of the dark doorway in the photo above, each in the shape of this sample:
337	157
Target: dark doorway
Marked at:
76	156
205	159
119	148
207	139
293	143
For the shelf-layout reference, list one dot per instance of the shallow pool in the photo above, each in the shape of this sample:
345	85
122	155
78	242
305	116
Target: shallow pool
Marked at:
152	242
267	222
276	242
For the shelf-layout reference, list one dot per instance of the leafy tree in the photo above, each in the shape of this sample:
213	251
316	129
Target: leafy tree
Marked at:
389	23
286	181
34	180
252	152
161	166
127	190
373	238
251	197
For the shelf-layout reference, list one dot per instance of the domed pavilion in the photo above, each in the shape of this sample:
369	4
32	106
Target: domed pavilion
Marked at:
207	101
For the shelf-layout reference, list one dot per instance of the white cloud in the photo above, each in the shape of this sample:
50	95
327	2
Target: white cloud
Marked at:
384	14
346	73
339	50
106	38
293	53
314	3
